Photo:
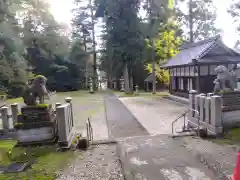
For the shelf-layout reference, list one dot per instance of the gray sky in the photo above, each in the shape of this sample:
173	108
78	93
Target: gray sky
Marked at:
61	10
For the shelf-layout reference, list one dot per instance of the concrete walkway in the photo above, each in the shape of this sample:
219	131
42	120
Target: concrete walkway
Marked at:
160	158
121	122
156	114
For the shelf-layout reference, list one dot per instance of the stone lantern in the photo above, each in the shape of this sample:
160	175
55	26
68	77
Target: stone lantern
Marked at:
122	84
91	85
136	90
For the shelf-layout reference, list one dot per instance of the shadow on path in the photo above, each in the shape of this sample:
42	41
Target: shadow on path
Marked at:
121	123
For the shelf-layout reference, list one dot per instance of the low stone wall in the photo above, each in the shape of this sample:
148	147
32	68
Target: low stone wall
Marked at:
59	126
216	112
230	101
206	112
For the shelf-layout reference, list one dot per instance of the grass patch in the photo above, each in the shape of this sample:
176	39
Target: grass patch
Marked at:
73	93
231	138
48	161
15	100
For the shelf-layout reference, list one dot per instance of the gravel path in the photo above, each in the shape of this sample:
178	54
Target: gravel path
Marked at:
121	122
98	163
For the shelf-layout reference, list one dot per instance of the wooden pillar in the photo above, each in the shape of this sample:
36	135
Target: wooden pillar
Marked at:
198	80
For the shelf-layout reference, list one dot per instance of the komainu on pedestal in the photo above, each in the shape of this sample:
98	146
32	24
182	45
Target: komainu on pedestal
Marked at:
37	121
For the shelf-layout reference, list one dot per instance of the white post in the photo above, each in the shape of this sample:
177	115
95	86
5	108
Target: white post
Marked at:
208	110
57	105
5	122
216	114
65	126
14	109
202	108
192	95
69	100
197	105
62	123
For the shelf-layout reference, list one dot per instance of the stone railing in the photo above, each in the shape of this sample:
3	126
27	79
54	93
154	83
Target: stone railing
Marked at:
217	112
210	112
8	117
64	125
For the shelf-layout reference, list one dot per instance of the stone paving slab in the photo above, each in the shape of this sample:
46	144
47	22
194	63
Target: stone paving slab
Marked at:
121	122
156	114
220	158
160	158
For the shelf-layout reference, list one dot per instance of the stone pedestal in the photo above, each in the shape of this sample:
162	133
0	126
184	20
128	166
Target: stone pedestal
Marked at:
36	124
91	86
122	84
136	90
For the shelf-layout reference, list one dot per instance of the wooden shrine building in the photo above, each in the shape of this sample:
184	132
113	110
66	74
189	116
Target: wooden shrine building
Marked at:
193	67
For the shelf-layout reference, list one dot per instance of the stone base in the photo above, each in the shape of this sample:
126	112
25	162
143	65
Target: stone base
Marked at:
67	144
35	135
39	113
211	130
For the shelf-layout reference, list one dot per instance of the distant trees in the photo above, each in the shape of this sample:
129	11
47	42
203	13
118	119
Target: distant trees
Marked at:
197	18
32	42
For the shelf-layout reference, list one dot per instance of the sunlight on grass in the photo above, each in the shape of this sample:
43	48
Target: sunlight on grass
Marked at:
73	93
48	160
15	100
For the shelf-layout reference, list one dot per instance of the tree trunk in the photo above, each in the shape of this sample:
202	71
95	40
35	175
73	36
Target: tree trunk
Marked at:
153	67
94	48
191	35
86	65
126	79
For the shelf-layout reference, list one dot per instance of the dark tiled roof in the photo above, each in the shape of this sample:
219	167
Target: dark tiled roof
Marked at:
199	50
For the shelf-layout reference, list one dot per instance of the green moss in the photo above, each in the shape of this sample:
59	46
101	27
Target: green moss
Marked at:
48	160
40	106
40	76
232	138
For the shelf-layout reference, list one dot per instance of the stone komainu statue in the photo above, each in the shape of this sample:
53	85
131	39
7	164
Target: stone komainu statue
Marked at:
36	89
225	79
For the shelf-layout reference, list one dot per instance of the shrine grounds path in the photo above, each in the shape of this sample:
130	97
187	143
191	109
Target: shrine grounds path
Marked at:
131	121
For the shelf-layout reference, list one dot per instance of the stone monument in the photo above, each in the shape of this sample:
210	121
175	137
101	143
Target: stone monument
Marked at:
37	121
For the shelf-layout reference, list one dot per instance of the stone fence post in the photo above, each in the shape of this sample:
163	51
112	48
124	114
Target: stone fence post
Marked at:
57	105
216	115
208	110
65	125
192	97
197	105
202	111
14	109
69	101
5	121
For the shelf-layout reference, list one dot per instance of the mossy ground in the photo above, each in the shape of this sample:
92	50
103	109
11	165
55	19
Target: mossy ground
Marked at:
231	138
48	161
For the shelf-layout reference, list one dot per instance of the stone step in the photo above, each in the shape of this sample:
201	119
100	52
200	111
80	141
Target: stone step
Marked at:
181	134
